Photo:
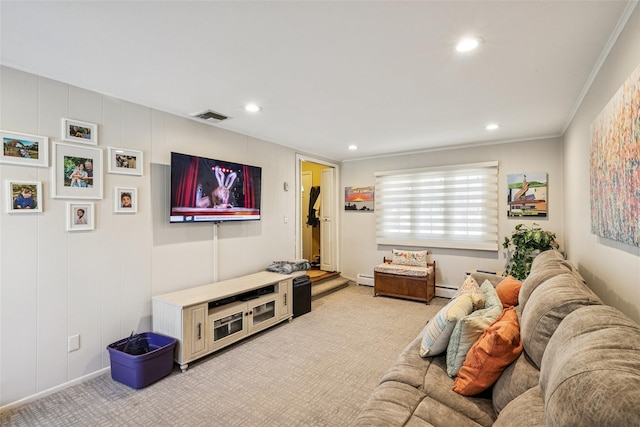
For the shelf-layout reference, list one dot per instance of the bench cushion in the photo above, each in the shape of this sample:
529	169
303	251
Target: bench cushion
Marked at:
404	270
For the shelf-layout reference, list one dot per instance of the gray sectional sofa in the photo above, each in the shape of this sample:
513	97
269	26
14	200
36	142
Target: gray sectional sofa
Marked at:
580	366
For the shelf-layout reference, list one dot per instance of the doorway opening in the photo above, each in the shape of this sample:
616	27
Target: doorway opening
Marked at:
317	216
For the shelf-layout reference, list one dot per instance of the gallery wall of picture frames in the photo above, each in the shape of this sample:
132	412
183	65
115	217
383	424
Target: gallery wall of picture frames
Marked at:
77	171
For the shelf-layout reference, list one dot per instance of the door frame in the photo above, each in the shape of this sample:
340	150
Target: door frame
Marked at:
336	184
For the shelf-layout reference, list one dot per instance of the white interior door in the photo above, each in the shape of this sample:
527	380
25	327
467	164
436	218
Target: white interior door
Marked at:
327	220
307	244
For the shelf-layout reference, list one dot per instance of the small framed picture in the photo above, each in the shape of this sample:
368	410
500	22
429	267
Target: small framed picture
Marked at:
125	162
80	216
77	172
24	196
125	200
81	132
24	149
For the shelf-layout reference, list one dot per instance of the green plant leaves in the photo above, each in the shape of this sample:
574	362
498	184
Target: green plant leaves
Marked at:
525	243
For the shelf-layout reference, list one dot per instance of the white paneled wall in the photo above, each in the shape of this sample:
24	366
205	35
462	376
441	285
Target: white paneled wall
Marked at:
98	284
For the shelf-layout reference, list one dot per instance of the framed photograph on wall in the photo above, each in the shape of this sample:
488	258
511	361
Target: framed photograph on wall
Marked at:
125	200
123	161
80	216
24	196
81	132
77	172
24	149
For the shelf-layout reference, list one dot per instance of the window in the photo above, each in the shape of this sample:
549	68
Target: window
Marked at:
446	207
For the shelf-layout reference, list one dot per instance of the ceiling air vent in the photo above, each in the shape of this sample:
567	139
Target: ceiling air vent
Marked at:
210	116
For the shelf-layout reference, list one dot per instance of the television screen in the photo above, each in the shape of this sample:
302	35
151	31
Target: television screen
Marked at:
213	190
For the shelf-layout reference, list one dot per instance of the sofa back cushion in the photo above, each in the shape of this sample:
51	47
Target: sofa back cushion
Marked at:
547	305
545	266
590	373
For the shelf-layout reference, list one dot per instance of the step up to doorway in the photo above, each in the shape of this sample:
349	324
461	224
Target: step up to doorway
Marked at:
324	287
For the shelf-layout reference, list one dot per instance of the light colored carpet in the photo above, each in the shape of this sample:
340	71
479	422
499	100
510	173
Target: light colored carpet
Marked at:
318	370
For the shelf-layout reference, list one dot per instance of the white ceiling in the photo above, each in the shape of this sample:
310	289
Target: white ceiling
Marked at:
383	75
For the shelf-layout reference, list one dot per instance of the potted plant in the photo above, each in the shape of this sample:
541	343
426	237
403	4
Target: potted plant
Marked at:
523	246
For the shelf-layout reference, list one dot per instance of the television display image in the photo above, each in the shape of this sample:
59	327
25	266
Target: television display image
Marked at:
213	190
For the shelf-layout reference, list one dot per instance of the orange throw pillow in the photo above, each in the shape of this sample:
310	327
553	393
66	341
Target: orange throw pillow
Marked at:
508	290
498	346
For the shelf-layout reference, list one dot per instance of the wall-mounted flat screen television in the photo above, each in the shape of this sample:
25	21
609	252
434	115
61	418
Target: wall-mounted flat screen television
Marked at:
209	190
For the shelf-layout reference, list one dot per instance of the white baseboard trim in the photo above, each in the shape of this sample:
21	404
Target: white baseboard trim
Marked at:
445	291
52	390
364	279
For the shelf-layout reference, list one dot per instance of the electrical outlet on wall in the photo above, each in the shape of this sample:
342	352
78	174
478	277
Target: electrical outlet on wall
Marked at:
74	343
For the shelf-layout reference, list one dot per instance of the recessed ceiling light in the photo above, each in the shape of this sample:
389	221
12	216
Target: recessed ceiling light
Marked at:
252	108
492	126
353	147
468	44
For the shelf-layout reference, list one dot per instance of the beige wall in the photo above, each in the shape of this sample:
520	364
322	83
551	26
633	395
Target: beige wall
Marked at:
612	269
361	253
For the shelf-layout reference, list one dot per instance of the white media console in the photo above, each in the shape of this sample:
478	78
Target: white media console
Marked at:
209	317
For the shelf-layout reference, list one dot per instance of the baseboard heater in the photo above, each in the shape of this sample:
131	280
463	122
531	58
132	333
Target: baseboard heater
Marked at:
445	291
364	279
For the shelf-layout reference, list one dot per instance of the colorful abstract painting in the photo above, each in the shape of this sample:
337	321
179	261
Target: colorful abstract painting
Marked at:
615	166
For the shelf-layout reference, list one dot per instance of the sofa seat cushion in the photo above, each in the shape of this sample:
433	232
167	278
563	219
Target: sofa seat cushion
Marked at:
397	404
429	375
527	410
519	377
590	373
439	386
548	304
404	270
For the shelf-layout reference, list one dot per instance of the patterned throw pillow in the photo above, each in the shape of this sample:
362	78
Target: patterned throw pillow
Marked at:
414	258
438	330
470	286
468	329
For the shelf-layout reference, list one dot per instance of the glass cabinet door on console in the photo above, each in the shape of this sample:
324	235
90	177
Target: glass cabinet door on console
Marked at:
262	312
226	325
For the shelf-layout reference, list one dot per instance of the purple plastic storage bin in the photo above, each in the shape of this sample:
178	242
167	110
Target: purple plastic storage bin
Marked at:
141	370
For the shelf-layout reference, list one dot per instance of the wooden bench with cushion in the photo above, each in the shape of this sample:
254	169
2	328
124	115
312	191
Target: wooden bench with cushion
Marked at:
416	281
